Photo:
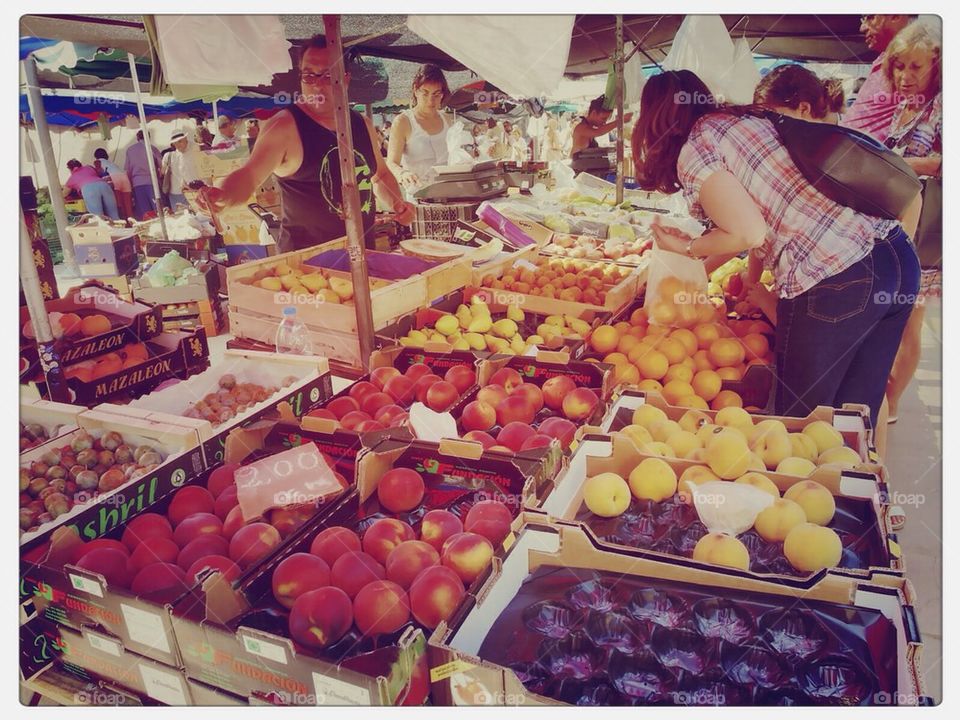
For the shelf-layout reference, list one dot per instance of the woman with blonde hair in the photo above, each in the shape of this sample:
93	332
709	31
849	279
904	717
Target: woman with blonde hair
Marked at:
912	67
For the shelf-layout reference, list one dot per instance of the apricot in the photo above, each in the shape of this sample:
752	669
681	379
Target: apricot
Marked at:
233	522
606	495
735	417
795	466
461	377
220	563
721	549
810	548
435	594
489	518
555	389
95	324
189	501
803	446
825	435
201	547
195	526
514	434
333	542
683	443
383	536
467	554
580	404
221	478
817	502
696	474
478	415
775	522
153	550
664	430
145	526
320	617
400	490
647	416
163	582
653	479
437	526
728	454
761	482
252	543
408	560
297	574
109	562
353	570
845	457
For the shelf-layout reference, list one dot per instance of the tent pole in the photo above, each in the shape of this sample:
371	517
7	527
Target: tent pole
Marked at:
618	79
49	354
351	195
216	115
35	100
146	141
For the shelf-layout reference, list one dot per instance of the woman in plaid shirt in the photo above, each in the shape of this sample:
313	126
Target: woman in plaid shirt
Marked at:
846	281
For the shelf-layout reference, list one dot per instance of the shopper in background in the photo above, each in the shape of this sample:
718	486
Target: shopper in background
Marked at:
96	192
795	91
138	170
594	124
912	67
122	189
253	129
203	136
418	138
872	110
226	137
183	168
839	274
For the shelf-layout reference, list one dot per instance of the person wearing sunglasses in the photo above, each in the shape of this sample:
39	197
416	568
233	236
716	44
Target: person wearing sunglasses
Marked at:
872	110
299	145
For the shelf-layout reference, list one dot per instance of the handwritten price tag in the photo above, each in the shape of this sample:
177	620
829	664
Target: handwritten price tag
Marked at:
292	477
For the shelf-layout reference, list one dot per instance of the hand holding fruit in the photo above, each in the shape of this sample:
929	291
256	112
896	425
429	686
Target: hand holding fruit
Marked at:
670	238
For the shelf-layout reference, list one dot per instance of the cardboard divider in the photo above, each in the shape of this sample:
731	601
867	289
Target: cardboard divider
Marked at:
617	454
454	646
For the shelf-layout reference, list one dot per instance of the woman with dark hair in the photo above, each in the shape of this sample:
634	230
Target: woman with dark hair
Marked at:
418	138
795	91
96	192
841	276
122	189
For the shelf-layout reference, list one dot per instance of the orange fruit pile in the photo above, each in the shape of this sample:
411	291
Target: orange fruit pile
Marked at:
571	280
686	365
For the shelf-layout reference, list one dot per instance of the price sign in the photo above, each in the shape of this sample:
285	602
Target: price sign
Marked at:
292	477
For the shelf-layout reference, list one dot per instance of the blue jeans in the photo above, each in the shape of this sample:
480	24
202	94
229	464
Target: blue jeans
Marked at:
143	201
177	199
100	200
837	341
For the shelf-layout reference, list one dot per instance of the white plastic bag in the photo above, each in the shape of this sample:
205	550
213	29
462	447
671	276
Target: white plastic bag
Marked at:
744	76
457	137
676	293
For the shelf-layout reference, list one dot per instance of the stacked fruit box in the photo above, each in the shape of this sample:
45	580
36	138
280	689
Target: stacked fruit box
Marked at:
590	626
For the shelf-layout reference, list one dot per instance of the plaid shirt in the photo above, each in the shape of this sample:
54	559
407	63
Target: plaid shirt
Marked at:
810	237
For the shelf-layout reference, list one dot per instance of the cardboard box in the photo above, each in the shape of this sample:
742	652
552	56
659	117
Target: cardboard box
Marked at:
130	322
862	494
202	287
240	254
117	256
852	421
308	384
55	418
204	695
519	231
455	646
172	354
96	656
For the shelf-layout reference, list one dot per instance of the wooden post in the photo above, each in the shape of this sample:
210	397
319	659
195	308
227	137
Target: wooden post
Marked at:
618	78
356	250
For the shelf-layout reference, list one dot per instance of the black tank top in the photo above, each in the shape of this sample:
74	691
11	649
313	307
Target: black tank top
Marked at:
311	199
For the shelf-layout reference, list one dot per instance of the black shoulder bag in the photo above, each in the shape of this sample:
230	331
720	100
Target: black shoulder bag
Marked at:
847	166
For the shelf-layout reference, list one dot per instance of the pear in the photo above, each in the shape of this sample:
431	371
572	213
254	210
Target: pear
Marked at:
328	296
447	325
505	328
343	288
481	324
282	269
417	338
556	321
514	313
547	331
464	316
495	344
535	340
288	281
461	344
580	327
518	345
314	282
476	341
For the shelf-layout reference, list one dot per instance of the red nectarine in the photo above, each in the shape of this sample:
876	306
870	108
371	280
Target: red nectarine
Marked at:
580	404
188	501
478	415
221	478
555	389
383	536
438	525
333	542
401	389
417	371
297	574
441	396
319	618
342	405
506	377
513	435
408	560
489	518
400	490
381	608
435	594
222	564
461	377
353	570
467	554
252	543
379	376
201	547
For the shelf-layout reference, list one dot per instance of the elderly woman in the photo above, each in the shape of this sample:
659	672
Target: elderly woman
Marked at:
912	67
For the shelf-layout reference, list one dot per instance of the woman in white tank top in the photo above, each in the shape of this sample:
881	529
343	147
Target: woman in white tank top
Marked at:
418	138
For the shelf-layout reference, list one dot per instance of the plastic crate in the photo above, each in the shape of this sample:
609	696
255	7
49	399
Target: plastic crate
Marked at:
438	221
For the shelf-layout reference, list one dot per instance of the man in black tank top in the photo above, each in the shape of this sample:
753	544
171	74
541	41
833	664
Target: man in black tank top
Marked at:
299	146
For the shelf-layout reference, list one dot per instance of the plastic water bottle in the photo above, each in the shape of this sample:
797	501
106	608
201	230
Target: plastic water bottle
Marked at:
292	337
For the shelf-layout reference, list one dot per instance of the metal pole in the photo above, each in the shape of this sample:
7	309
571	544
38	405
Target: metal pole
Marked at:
351	195
49	355
216	115
35	100
146	141
618	79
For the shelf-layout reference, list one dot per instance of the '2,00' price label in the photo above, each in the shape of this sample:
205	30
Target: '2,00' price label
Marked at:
292	477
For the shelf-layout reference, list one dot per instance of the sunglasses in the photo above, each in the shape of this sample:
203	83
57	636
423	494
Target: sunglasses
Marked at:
312	78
